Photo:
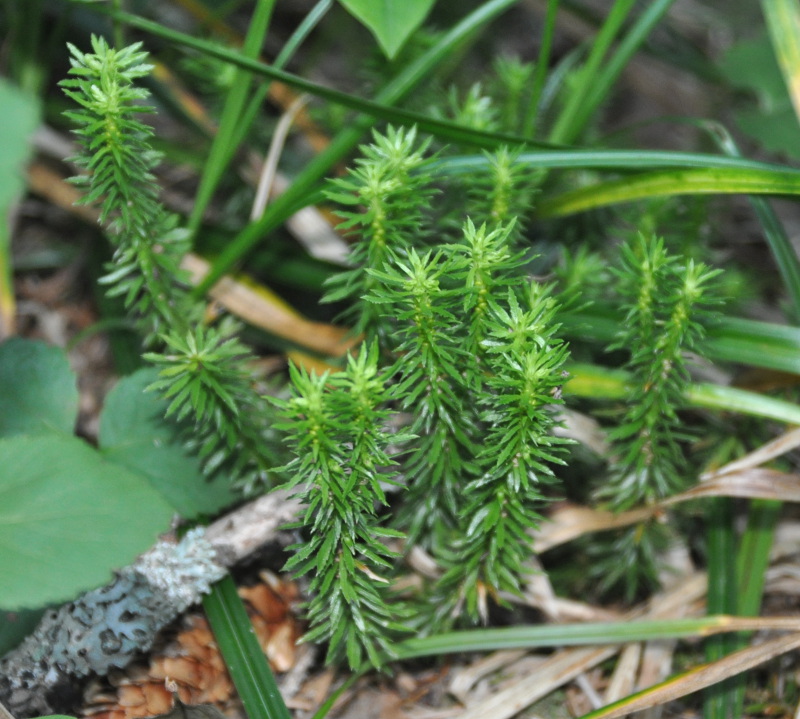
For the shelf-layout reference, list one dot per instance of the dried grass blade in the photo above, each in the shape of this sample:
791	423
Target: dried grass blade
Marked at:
698	678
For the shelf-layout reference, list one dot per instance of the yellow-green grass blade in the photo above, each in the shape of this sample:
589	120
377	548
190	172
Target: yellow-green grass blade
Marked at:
594	382
584	634
698	678
783	23
672	182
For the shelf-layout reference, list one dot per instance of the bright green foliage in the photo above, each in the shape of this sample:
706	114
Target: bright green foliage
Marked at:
119	161
336	426
203	377
665	301
431	364
390	21
393	191
505	193
467	337
484	267
525	362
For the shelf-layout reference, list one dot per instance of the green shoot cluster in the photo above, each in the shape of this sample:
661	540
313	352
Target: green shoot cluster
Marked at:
204	373
477	365
336	426
116	153
665	300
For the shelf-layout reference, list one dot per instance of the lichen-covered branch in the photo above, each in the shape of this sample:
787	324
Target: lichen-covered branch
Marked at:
105	628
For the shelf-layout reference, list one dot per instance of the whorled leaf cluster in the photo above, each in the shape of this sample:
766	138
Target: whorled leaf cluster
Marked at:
667	301
204	373
336	426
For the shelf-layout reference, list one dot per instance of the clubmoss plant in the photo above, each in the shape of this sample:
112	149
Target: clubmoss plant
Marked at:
116	153
336	426
665	301
462	343
430	367
389	188
524	372
205	373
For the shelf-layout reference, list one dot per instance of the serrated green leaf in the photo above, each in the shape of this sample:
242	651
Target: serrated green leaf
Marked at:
135	435
38	394
67	518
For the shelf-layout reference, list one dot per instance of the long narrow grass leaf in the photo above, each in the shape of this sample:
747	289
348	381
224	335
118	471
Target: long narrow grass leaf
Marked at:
382	106
698	678
243	656
721	598
531	113
611	70
568	125
783	23
596	382
605	159
668	183
589	633
752	563
230	121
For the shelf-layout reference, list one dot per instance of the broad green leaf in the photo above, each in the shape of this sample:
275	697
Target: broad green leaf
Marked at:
390	21
20	118
135	435
67	518
672	182
38	394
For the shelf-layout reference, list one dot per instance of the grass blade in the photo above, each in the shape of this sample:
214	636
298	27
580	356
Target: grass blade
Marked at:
243	656
721	598
698	678
569	125
751	564
596	382
584	634
612	69
666	183
221	148
605	159
382	106
531	113
783	23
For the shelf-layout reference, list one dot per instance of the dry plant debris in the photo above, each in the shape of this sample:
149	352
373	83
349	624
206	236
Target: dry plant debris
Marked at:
193	662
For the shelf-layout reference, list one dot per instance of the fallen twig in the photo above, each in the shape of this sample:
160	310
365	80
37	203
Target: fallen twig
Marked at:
107	627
